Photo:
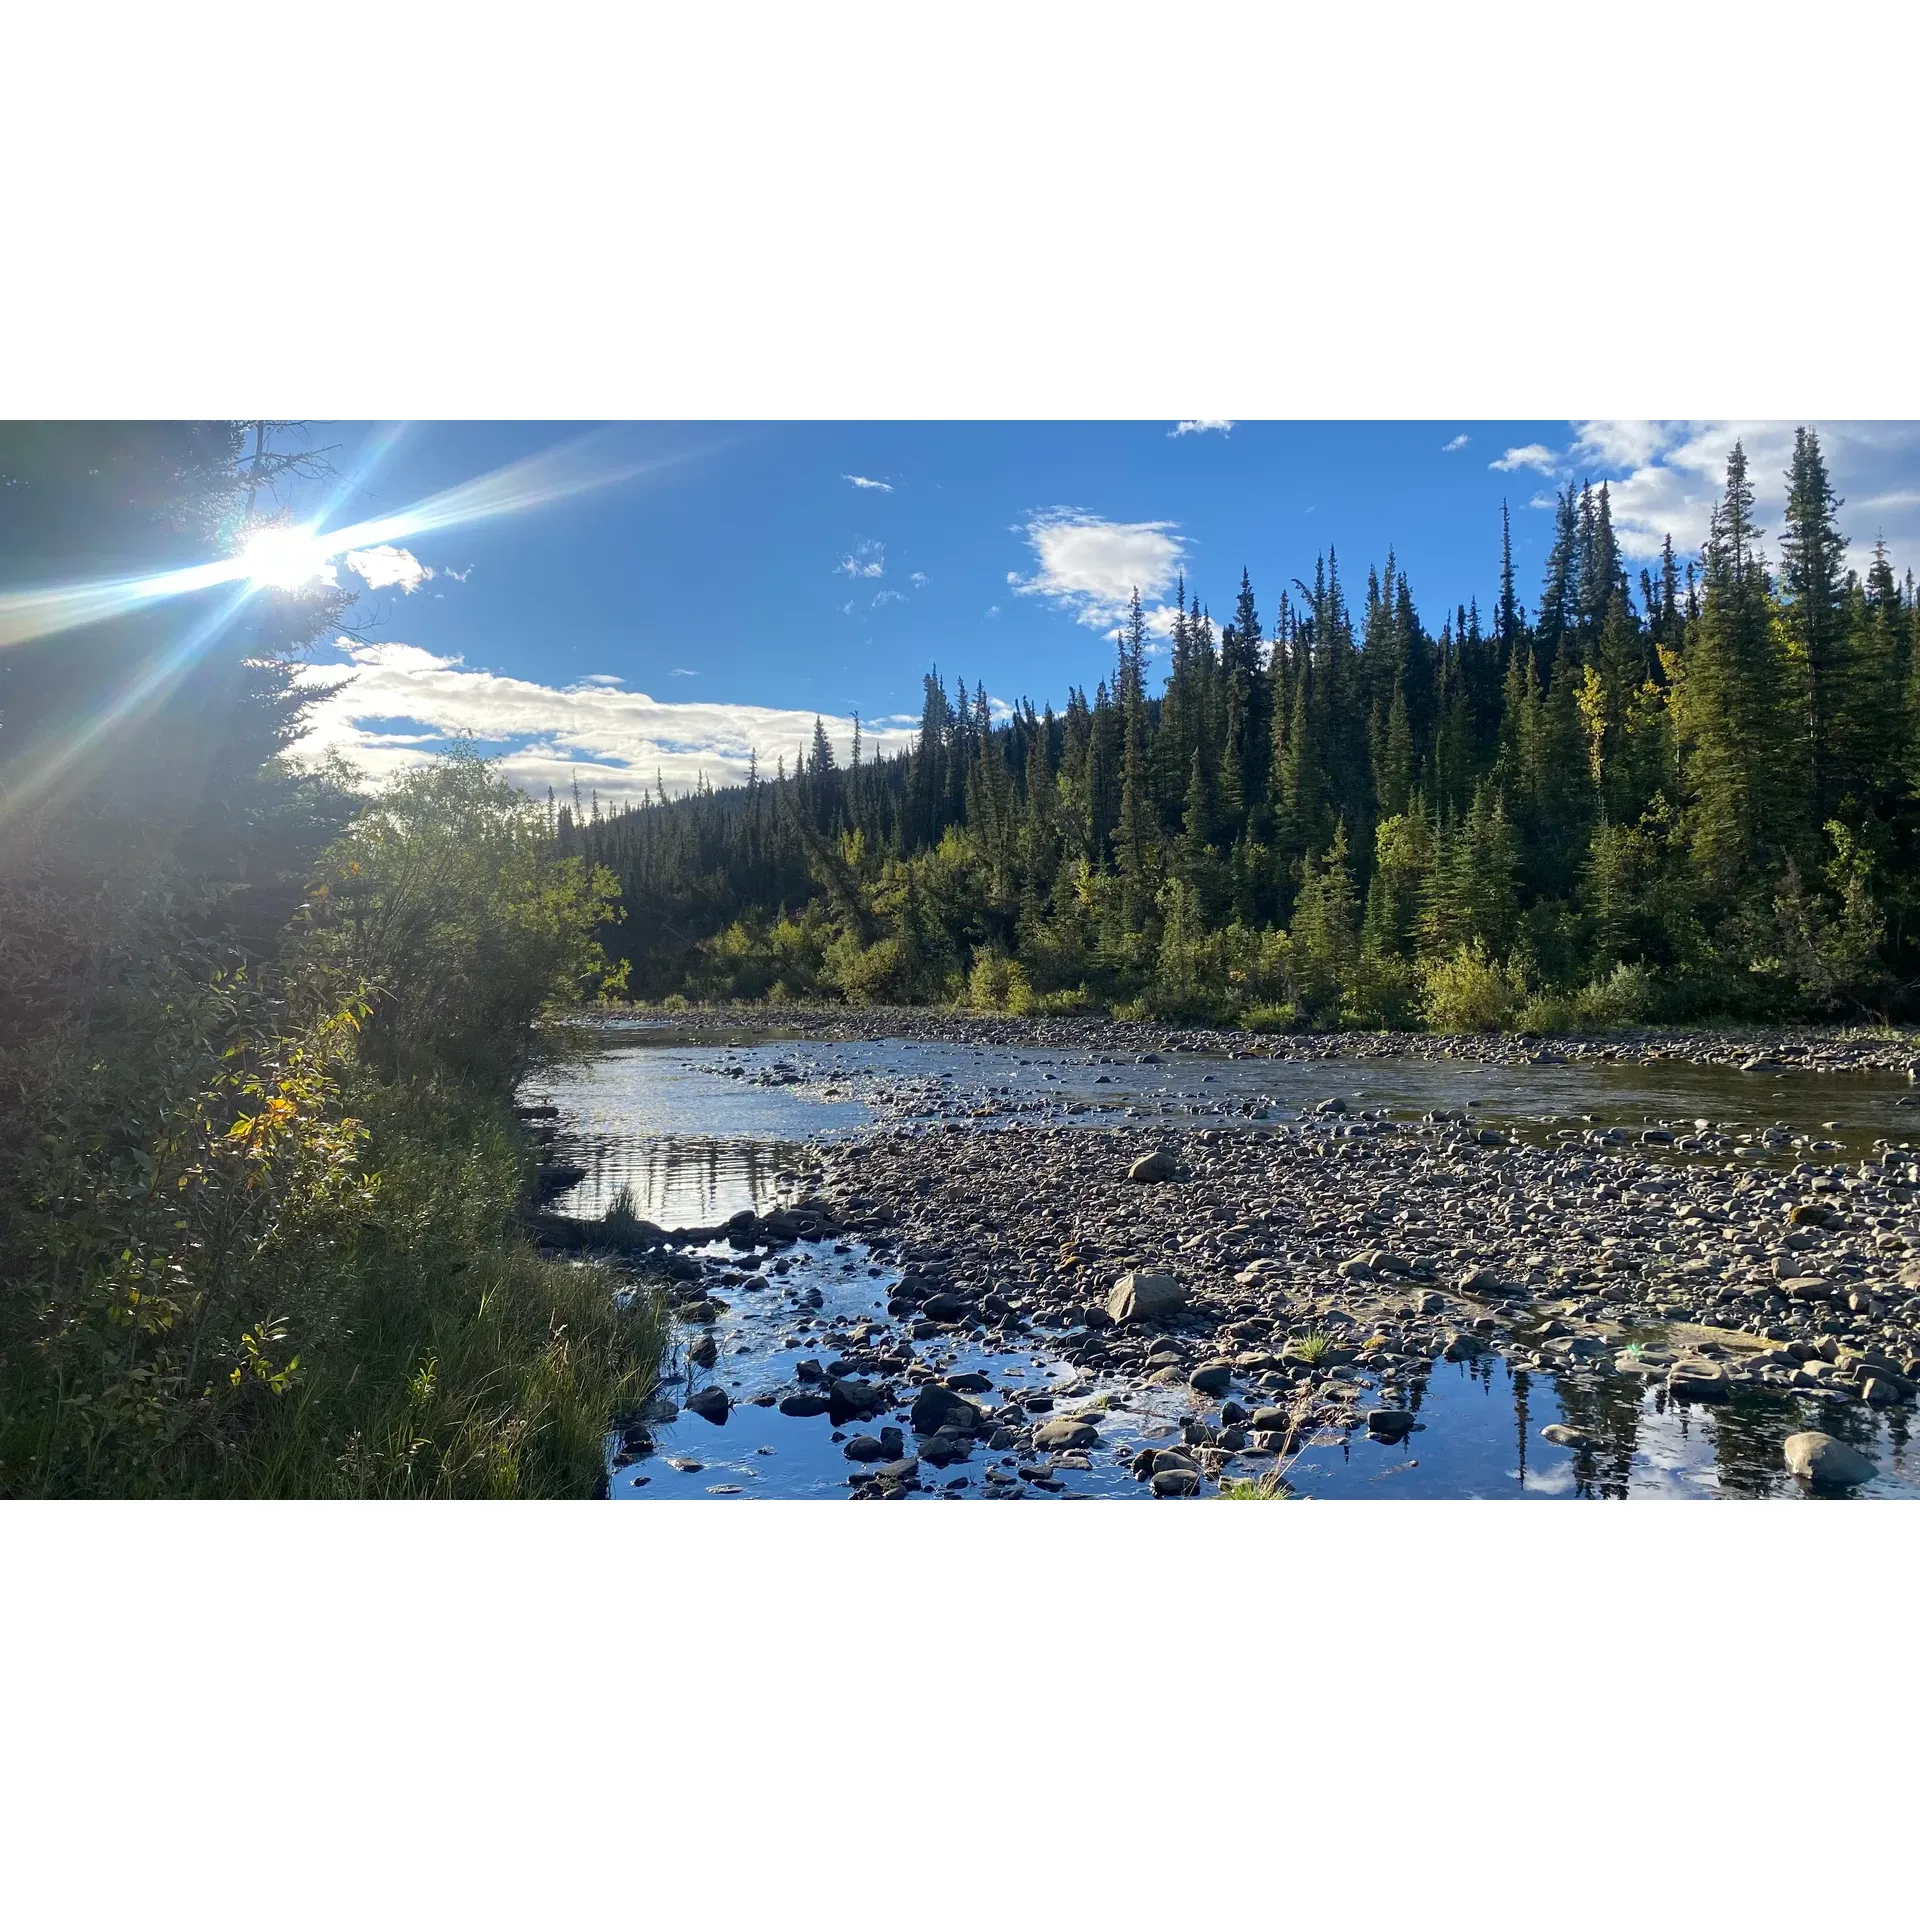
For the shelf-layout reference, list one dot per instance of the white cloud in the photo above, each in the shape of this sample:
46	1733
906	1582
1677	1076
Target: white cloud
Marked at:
385	566
861	480
1541	459
610	738
1678	469
1089	567
918	579
685	673
868	561
607	679
1619	443
993	613
886	596
1200	426
453	573
1543	502
1454	445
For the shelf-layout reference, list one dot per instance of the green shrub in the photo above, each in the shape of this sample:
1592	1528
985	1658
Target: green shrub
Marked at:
1468	992
1547	1012
1272	1018
1625	998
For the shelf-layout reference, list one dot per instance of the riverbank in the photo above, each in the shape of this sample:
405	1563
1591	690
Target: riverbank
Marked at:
1752	1049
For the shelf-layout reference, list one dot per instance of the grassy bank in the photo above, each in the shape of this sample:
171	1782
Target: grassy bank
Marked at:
463	1362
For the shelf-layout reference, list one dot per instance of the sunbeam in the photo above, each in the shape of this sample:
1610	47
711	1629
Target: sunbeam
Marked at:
288	558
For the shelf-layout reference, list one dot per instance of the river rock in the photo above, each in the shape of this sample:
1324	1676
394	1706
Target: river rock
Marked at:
945	1307
1697	1380
1575	1437
1175	1483
1057	1435
1388	1423
710	1403
1827	1462
804	1405
704	1351
1146	1295
1159	1165
862	1449
1212	1378
855	1400
938	1407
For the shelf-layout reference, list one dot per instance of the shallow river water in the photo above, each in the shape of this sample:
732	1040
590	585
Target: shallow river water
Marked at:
698	1128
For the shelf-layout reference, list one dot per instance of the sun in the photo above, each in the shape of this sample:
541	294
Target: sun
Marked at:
286	557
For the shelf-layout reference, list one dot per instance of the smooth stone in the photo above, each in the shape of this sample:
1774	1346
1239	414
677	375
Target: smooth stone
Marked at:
1388	1423
710	1403
1213	1378
1827	1462
804	1405
1173	1483
1065	1432
1154	1166
1576	1437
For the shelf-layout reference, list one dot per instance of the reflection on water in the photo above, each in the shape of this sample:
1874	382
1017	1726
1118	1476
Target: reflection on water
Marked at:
677	1181
1480	1439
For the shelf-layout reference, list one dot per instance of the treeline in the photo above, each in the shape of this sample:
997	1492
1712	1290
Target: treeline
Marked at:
259	1034
1692	793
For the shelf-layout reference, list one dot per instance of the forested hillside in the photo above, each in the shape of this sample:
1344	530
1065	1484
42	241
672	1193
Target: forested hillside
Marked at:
1691	792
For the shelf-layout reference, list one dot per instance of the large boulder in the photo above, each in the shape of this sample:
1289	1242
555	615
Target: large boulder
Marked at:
1389	1423
1159	1165
1146	1295
710	1403
1826	1462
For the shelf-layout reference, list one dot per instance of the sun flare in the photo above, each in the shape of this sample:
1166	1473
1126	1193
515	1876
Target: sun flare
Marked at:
286	557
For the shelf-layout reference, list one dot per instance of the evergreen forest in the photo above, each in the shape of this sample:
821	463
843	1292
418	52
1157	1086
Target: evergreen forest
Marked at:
1686	792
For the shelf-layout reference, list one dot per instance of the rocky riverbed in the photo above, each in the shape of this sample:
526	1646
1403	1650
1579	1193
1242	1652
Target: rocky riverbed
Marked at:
1051	1302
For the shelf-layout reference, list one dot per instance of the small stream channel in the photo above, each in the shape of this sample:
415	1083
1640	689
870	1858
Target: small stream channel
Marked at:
697	1128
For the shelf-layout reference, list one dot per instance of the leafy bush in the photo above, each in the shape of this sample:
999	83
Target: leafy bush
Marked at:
1625	998
1468	992
1282	1017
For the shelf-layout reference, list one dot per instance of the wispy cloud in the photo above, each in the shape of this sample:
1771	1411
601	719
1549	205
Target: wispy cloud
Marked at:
604	679
386	566
457	573
993	613
868	561
918	579
392	706
1540	459
886	596
685	673
1458	441
1200	426
875	486
1089	567
1543	503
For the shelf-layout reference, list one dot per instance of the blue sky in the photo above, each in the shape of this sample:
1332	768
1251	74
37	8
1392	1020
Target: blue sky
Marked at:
699	591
